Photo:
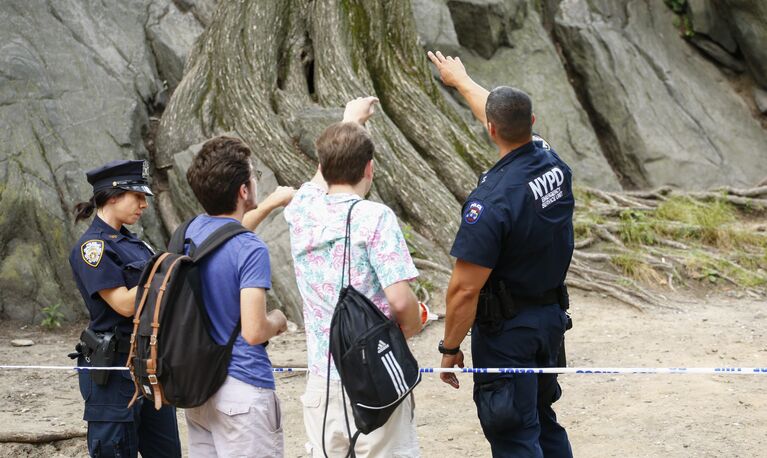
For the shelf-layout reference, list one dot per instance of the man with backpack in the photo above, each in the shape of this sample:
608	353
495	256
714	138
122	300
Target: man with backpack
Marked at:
243	417
380	270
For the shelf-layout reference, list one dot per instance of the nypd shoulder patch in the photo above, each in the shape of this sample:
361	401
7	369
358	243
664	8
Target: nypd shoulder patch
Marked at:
92	251
473	212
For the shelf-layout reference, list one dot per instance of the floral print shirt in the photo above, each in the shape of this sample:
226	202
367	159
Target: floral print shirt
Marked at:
379	258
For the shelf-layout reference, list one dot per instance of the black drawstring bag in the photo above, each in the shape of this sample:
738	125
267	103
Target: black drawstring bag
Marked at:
377	369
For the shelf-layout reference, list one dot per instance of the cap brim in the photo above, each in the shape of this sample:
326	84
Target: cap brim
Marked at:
137	188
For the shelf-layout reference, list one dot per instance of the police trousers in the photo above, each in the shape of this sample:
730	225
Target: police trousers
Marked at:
114	430
515	409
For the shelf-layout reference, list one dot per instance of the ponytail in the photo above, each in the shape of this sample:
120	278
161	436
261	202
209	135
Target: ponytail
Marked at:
84	210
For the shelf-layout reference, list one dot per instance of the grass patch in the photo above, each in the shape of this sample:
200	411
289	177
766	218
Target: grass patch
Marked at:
634	267
712	220
637	228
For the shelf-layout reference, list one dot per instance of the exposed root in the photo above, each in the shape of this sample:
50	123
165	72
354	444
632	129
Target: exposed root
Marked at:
40	438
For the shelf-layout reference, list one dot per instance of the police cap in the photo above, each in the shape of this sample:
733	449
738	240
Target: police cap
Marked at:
120	174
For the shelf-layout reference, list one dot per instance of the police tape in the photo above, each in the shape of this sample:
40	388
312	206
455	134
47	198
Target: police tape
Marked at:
497	370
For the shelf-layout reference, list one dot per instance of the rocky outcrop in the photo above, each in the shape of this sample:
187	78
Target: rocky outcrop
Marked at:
664	114
534	66
748	24
79	80
485	25
528	59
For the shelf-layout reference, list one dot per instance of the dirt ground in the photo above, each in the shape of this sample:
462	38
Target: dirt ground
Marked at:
605	415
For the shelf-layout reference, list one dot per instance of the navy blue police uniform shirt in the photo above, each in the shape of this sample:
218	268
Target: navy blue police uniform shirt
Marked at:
106	258
518	221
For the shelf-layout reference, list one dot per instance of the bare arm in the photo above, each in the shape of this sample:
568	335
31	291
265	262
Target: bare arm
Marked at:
279	198
121	299
360	109
257	325
405	307
453	74
462	297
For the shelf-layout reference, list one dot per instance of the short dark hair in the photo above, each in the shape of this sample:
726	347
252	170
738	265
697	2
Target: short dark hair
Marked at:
344	149
218	171
511	112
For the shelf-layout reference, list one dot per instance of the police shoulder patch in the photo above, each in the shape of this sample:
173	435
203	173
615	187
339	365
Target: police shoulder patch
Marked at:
473	212
92	251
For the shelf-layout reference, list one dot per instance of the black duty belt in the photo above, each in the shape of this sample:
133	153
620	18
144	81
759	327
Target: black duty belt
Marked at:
497	302
546	298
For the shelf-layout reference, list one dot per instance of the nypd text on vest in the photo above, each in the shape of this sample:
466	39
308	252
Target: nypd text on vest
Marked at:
548	187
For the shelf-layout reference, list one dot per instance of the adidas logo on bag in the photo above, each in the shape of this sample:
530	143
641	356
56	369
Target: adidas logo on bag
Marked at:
382	346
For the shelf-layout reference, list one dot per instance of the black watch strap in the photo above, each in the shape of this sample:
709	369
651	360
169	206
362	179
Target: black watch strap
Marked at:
447	351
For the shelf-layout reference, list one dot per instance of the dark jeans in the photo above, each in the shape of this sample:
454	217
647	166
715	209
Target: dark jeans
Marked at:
114	430
515	409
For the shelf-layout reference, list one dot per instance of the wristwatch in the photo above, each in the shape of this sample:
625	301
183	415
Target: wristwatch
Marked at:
447	351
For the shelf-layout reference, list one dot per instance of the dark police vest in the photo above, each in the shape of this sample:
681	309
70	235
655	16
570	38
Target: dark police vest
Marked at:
105	258
518	221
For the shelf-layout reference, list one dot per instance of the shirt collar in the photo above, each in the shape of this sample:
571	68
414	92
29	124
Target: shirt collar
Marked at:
101	226
342	197
513	154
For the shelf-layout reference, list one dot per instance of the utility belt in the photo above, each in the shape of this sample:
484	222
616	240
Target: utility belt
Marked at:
497	304
100	350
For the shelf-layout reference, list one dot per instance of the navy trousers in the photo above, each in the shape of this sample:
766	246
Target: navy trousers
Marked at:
515	409
114	430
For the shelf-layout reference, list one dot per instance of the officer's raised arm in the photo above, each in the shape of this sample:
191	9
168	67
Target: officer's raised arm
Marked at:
453	74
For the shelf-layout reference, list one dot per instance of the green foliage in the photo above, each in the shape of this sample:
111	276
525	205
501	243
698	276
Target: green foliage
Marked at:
52	316
677	6
683	20
636	228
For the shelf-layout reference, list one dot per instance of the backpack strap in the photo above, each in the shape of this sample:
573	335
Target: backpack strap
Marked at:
137	320
217	238
178	239
348	247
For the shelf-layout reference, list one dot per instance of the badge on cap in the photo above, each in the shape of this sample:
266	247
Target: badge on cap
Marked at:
473	212
91	251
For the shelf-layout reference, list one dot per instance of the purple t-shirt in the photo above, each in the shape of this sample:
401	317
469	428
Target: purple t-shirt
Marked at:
241	262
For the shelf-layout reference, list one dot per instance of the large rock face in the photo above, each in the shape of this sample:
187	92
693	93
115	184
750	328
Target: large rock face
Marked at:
664	113
78	80
534	66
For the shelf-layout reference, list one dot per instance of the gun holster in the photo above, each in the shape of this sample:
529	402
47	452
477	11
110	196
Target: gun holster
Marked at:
98	349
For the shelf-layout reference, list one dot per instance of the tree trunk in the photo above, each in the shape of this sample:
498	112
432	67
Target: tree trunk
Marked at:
263	66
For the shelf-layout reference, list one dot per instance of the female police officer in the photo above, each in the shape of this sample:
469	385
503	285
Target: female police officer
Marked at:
107	262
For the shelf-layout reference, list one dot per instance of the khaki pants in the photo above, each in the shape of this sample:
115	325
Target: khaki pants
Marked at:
397	438
240	420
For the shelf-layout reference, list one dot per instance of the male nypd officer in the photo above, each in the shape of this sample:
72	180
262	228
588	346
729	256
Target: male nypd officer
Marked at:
513	249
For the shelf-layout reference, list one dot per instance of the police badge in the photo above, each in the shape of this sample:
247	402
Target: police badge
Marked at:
473	213
91	251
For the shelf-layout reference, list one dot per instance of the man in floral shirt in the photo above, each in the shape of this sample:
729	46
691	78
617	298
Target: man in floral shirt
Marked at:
381	268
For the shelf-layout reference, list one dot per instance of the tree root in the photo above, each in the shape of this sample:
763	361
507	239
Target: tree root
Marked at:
40	438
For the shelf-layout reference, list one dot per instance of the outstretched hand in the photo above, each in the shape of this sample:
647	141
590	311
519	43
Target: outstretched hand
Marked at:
280	197
360	109
450	361
451	69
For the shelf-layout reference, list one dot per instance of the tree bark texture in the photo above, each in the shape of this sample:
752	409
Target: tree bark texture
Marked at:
263	66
